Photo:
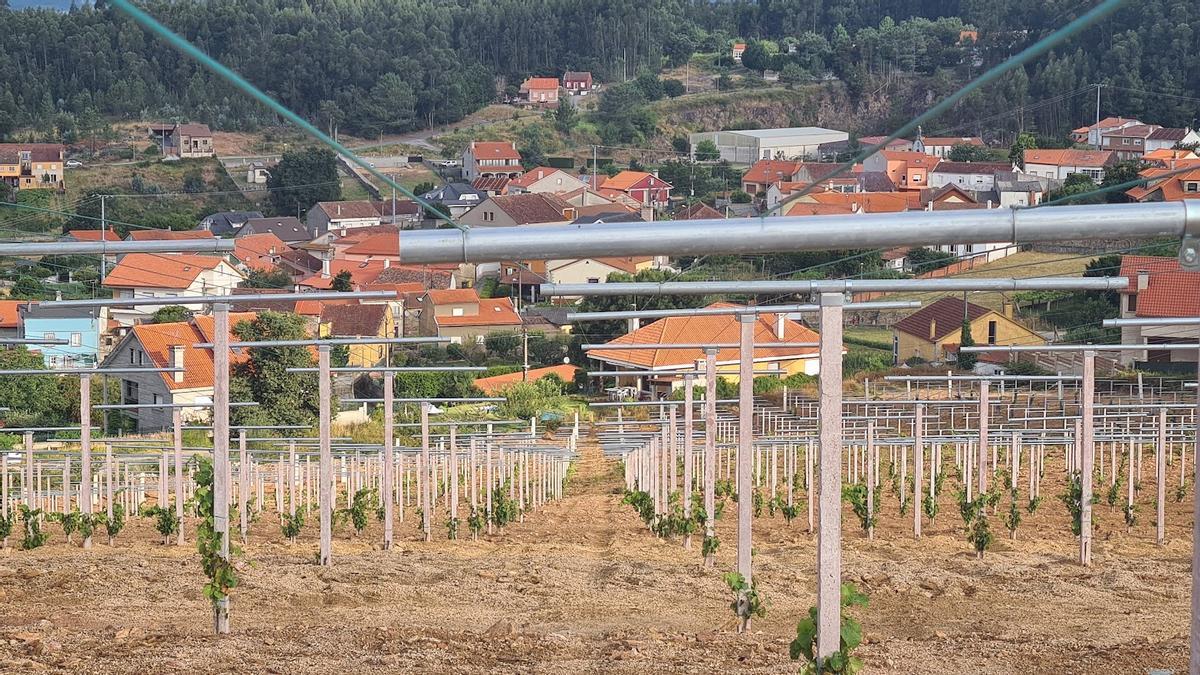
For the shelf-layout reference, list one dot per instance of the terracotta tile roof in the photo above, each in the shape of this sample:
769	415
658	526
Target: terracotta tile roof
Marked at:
771	171
492	312
953	140
360	234
627	264
1169	134
300	261
350	320
811	209
10	316
943	316
360	273
193	129
698	211
387	244
302	307
1134	131
348	210
490	183
914	158
624	180
1131	265
1170	294
1169	185
155	270
495	150
404	207
168	235
38	152
427	276
611	209
1069	157
577	76
400	289
534	175
93	235
1169	154
496	383
529	209
869	141
539	83
157	340
453	296
871	202
701	328
258	251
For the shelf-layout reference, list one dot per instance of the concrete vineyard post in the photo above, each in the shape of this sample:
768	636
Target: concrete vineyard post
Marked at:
221	448
829	534
745	478
243	487
870	450
389	457
688	382
1161	477
1087	393
984	410
177	443
426	475
918	467
85	450
710	448
325	460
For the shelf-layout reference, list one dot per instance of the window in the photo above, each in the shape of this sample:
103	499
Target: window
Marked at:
76	339
455	340
991	332
1191	186
456	311
131	392
156	398
50	336
593	280
1132	302
1125	141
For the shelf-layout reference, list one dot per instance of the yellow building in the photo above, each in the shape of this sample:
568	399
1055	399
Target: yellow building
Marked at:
26	166
936	328
354	320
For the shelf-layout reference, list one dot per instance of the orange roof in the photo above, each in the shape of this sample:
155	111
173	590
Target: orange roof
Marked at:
918	158
771	171
540	83
495	150
1154	264
1170	154
624	180
534	175
256	250
492	312
1068	157
360	273
387	244
811	209
704	328
168	235
93	235
158	338
1166	182
1170	294
159	270
451	296
953	140
490	386
868	202
10	316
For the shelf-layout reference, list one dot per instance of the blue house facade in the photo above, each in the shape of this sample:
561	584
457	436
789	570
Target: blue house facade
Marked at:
81	327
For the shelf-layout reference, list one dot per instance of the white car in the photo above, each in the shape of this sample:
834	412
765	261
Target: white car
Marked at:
74	164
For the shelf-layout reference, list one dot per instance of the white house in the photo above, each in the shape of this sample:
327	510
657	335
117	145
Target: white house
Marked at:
545	179
326	216
1166	138
171	276
1060	163
978	176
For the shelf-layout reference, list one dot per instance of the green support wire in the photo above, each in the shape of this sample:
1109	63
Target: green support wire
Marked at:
178	42
1037	49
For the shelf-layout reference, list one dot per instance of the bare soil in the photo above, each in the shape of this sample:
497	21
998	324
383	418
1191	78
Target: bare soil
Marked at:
581	586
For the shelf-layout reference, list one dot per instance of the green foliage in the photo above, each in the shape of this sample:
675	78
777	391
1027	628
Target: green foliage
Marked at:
301	179
856	494
758	503
966	360
34	537
748	602
1130	512
114	525
359	513
267	279
284	398
452	528
1034	503
476	521
343	282
6	523
843	661
710	546
222	577
706	151
170	314
165	521
1012	519
505	510
980	534
1072	498
523	400
1181	492
920	259
1016	153
966	152
291	525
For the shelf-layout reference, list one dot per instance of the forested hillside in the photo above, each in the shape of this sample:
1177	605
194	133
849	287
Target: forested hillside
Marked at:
391	65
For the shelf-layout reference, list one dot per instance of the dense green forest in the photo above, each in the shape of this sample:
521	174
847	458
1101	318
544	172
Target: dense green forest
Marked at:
392	65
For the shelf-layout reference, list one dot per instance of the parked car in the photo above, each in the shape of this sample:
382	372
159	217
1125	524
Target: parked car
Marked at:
74	164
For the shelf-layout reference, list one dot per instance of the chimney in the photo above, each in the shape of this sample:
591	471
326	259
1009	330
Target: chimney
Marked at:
779	323
177	362
1143	280
541	174
989	203
325	265
387	262
339	209
933	329
1007	308
634	324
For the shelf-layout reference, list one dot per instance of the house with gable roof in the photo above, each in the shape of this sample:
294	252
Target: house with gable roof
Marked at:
1158	288
170	276
491	158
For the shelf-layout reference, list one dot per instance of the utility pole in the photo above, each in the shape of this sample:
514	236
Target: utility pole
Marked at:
103	237
1098	86
525	350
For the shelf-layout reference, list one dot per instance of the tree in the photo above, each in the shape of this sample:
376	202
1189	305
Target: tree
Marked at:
650	85
32	400
966	152
623	116
423	187
28	288
1016	153
966	360
673	88
303	178
170	314
283	397
1120	174
566	116
922	259
267	279
343	282
193	181
1075	184
756	57
706	151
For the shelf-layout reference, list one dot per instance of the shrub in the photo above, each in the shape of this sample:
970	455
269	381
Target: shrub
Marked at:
843	660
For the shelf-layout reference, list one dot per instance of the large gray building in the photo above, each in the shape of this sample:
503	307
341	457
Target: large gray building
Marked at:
750	145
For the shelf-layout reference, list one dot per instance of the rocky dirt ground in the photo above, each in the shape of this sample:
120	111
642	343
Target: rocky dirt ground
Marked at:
581	586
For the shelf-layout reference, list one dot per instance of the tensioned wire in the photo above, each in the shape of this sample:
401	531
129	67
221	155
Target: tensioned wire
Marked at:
1037	49
178	42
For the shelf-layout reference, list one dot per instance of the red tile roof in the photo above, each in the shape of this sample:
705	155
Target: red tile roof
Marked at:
539	83
1170	294
495	150
698	211
348	210
158	338
497	383
453	296
360	273
492	312
529	209
9	314
168	235
766	171
1069	157
257	251
943	317
159	270
704	328
93	235
627	179
534	175
953	140
1154	264
355	319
